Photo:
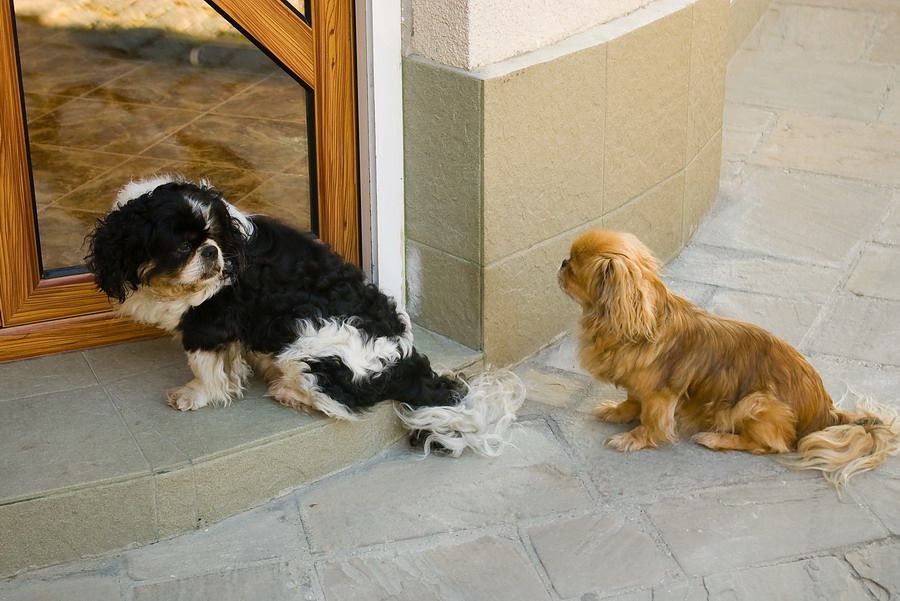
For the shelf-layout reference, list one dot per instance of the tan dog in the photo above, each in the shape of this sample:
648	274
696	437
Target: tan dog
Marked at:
731	384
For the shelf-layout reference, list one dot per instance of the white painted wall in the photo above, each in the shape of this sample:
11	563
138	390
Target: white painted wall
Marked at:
472	33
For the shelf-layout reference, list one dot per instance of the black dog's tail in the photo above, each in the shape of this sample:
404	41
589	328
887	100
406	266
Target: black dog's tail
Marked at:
453	414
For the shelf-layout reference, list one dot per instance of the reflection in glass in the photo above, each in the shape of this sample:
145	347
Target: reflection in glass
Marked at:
301	6
154	87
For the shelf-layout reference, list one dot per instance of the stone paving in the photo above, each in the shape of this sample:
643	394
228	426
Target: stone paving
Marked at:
803	241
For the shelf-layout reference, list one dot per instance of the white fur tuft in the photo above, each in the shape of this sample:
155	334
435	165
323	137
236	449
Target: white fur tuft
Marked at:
137	188
479	421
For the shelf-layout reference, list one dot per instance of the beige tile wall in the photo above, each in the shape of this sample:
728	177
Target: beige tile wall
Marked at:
543	151
504	171
649	72
743	17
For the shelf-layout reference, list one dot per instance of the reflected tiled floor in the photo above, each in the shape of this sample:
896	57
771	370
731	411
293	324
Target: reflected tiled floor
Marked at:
104	107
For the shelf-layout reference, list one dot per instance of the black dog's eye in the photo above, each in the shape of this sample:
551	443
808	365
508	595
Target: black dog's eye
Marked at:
185	247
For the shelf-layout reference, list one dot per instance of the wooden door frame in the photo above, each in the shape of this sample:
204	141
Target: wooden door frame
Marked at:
45	315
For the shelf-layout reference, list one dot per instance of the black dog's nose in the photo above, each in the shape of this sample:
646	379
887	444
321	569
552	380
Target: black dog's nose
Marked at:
209	252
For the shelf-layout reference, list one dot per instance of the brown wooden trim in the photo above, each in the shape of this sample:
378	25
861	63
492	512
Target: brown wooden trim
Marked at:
67	313
70	334
19	269
24	296
277	27
59	298
337	161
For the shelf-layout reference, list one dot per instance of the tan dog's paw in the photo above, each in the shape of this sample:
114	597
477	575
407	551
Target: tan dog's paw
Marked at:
710	440
617	413
628	442
185	398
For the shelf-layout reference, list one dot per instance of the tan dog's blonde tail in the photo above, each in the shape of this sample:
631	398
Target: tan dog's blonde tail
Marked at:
859	442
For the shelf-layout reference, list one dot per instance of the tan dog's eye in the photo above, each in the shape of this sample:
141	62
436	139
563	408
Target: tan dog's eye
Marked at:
185	247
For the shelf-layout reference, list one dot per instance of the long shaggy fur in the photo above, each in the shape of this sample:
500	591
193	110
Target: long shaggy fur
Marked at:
732	385
242	291
479	421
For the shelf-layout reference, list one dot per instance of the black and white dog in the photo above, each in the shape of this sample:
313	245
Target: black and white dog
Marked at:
241	290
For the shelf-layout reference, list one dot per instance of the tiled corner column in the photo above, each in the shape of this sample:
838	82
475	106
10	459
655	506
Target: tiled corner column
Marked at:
618	127
745	14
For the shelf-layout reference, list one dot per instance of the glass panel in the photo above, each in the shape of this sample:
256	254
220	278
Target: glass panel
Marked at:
153	87
301	6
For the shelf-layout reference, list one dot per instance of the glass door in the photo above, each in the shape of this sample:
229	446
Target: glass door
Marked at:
259	100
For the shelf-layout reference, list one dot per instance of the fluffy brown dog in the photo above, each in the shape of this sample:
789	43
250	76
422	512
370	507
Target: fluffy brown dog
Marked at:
731	384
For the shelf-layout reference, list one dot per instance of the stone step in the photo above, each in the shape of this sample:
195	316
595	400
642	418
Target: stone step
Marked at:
95	461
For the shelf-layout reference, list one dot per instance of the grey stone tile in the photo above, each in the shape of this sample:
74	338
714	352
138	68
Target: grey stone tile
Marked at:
819	32
93	587
812	580
788	319
880	490
796	216
685	590
743	128
885	44
443	352
73	438
860	328
43	375
270	532
238	481
699	294
404	496
597	553
747	272
160	454
85	522
847	377
563	355
880	569
597	392
487	568
877	6
877	274
772	520
844	147
281	581
112	363
650	472
212	430
891	113
175	498
731	171
552	389
800	82
889	232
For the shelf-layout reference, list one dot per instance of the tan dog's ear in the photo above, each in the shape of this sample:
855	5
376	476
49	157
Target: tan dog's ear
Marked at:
626	297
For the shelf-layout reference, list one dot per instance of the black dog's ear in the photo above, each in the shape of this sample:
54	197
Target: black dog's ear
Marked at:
228	233
118	247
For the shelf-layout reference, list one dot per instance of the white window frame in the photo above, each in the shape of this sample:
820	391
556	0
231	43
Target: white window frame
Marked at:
380	91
